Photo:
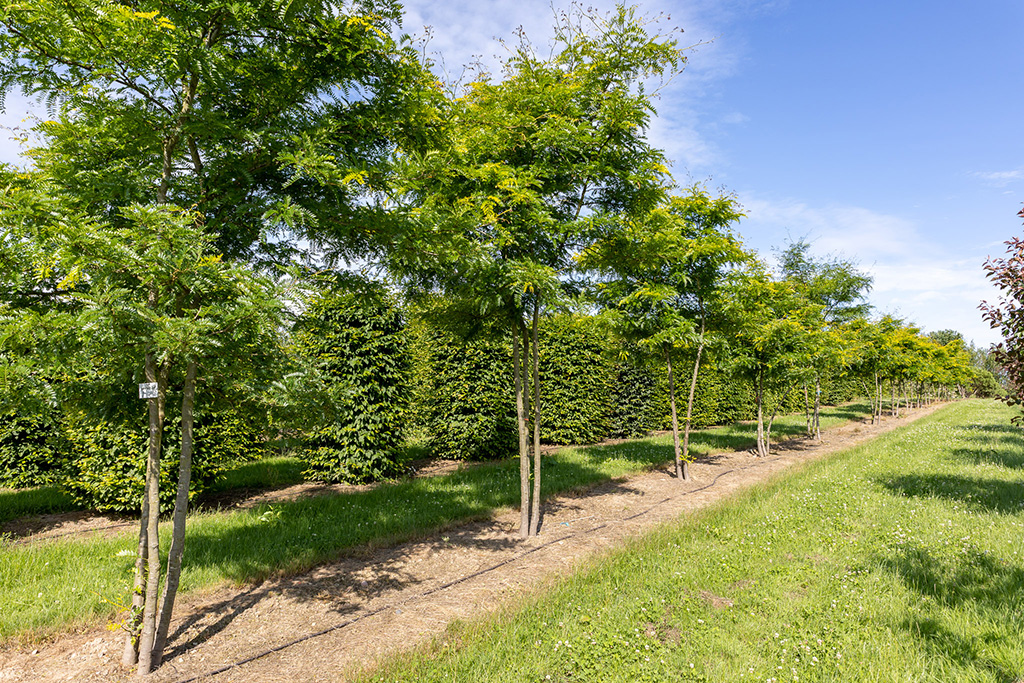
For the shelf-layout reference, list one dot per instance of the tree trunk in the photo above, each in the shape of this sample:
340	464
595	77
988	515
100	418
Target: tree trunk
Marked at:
817	407
876	410
689	406
524	449
535	516
130	656
762	451
771	420
675	417
156	421
177	548
809	428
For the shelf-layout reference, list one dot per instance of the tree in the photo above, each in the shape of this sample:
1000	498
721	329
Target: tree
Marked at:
771	341
840	289
536	167
662	276
263	116
1007	316
152	299
267	119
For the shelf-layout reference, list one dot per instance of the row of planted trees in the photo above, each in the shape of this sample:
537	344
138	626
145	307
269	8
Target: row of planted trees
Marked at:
201	161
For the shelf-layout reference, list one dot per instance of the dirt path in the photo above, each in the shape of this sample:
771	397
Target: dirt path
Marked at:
340	618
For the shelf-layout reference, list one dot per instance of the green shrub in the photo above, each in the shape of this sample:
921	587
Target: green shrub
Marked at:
635	406
576	376
33	451
109	457
469	398
357	340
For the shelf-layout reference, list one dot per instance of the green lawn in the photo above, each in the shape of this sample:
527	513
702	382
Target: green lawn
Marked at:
899	560
49	586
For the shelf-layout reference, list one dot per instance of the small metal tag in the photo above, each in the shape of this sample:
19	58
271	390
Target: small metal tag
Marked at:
149	390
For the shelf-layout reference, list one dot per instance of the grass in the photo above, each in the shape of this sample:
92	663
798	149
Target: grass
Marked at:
15	503
269	473
899	560
49	586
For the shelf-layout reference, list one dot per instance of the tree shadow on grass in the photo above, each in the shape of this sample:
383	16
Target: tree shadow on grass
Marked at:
974	583
360	534
995	444
993	495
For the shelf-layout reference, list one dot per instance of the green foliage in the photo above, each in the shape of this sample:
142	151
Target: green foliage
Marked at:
576	376
33	451
252	102
355	339
108	463
472	413
635	406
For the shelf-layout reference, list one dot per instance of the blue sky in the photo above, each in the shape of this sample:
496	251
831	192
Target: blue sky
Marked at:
889	133
885	132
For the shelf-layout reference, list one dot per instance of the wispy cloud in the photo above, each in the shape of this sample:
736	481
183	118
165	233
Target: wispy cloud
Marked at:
1000	178
914	277
846	230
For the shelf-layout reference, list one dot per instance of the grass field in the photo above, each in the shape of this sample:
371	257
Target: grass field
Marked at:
900	560
49	586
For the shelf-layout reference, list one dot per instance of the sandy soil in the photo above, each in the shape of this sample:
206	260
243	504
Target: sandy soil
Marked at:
338	619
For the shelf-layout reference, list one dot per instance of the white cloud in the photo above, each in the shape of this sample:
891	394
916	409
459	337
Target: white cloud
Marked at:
1000	178
845	230
914	277
15	121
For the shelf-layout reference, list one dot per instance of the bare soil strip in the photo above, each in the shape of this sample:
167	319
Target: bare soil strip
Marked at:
338	619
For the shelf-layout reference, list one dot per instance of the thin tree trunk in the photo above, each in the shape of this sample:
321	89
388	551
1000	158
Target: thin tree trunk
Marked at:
675	416
524	449
148	635
535	516
130	656
761	450
177	548
817	407
771	420
876	414
807	413
689	406
895	405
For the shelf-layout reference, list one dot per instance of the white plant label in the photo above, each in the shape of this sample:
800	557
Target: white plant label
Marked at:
148	390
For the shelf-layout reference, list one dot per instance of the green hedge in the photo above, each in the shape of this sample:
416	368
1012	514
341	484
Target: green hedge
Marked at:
109	456
33	449
468	398
576	378
357	340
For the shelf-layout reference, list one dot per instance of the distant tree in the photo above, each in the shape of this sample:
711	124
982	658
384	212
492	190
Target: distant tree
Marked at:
536	166
1007	316
771	343
662	275
840	289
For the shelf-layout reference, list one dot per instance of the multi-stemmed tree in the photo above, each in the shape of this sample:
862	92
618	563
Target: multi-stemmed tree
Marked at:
538	165
183	132
661	275
840	289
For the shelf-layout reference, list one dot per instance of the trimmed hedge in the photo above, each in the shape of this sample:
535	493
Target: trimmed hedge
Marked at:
576	377
357	340
33	450
109	457
471	401
637	399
